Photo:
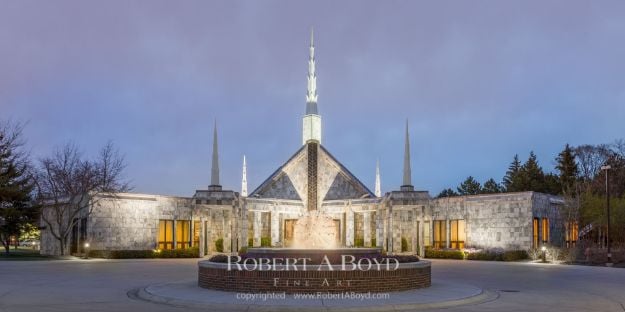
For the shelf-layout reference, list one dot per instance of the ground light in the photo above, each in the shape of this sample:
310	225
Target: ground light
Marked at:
86	250
544	250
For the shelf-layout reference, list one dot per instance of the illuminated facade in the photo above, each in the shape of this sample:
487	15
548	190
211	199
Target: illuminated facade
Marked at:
313	181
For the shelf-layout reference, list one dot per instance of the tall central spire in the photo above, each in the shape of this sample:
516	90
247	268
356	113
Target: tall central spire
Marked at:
311	95
311	128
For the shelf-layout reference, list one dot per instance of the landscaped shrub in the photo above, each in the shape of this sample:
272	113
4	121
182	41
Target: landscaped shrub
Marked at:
192	252
250	242
404	244
219	258
534	254
484	255
242	250
265	241
444	253
515	255
374	242
219	245
405	258
359	242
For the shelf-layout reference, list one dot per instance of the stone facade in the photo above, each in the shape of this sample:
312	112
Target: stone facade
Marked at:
399	221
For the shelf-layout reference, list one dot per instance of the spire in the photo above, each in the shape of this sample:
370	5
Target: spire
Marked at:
311	95
378	191
215	163
244	179
407	183
311	123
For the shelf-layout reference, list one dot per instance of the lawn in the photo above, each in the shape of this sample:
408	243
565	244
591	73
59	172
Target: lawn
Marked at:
22	253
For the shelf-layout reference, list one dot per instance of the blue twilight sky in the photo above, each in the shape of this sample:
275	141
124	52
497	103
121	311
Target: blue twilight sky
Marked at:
479	81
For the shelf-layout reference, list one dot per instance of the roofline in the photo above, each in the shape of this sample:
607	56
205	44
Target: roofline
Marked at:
275	173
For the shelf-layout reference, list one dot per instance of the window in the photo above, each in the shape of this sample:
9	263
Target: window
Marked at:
458	234
196	233
545	230
440	234
426	234
183	234
165	234
535	233
572	233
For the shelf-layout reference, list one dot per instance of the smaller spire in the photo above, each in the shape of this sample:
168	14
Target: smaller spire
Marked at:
215	163
244	179
407	182
378	191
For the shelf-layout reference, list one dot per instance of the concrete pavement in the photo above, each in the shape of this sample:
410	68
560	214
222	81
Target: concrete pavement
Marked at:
103	285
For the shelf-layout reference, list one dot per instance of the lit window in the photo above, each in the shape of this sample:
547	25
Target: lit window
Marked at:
426	234
165	234
545	228
535	233
458	234
183	234
440	234
572	233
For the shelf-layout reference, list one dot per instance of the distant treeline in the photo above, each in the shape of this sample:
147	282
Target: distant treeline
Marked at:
578	170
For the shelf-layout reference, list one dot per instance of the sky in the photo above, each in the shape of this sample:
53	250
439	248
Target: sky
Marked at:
478	81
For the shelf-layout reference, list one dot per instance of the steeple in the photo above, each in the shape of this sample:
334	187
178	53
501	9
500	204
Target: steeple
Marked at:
215	164
378	191
311	129
311	95
244	179
407	183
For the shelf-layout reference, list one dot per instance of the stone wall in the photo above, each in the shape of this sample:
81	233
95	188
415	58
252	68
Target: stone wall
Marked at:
496	220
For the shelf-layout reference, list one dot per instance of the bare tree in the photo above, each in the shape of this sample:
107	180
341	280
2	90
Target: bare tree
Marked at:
70	186
590	159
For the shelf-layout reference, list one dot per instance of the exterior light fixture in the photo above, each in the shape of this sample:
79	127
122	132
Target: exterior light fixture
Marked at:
86	250
544	249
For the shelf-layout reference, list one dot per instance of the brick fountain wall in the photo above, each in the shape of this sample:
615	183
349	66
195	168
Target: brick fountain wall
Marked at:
408	276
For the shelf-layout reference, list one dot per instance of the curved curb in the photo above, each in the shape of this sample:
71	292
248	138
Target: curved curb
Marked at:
144	294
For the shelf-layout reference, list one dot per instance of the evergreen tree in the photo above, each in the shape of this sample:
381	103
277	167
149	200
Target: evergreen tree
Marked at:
15	185
447	193
566	166
491	187
469	187
534	177
512	180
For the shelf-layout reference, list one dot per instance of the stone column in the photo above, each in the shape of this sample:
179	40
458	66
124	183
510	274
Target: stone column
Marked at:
244	223
448	232
227	231
349	227
209	232
202	238
379	229
257	227
275	228
415	231
366	227
174	233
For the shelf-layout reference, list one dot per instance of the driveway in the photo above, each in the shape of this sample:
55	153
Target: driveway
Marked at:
102	285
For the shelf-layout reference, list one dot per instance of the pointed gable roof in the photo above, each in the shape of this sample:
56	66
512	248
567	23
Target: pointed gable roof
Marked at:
334	181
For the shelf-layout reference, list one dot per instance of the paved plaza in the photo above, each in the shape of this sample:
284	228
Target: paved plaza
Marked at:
114	285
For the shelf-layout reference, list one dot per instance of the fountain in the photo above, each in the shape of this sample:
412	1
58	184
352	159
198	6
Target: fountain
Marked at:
315	263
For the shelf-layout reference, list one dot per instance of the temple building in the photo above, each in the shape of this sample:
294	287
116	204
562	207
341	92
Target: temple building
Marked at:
313	182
